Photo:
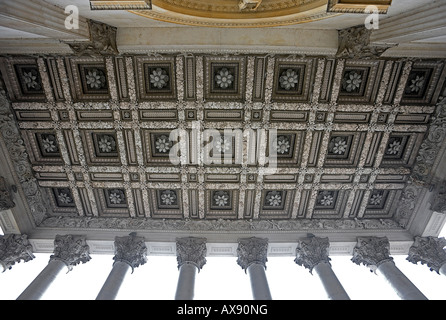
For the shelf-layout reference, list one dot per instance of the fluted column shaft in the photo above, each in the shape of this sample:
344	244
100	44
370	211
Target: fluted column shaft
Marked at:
312	253
252	257
130	253
331	284
374	252
69	250
191	257
43	281
111	287
186	282
403	287
259	283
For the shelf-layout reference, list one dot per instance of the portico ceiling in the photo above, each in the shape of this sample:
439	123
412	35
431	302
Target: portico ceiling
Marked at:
222	144
90	140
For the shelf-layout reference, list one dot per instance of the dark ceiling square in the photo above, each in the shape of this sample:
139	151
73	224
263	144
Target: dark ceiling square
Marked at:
29	79
105	144
63	197
48	145
115	198
93	79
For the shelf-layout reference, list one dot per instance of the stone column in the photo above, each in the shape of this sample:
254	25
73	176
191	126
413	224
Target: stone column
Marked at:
430	251
191	257
374	252
252	257
130	253
14	248
69	250
312	253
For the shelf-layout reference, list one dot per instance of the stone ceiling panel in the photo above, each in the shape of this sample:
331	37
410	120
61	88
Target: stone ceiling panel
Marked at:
222	137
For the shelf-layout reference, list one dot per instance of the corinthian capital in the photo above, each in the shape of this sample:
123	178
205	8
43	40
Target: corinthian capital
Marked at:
252	250
372	251
14	248
312	251
191	250
430	251
71	249
131	250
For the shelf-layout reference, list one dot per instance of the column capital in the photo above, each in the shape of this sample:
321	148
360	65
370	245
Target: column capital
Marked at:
191	250
14	248
372	251
429	251
252	250
131	249
71	249
311	251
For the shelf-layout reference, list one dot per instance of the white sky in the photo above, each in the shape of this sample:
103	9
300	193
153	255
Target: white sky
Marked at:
221	278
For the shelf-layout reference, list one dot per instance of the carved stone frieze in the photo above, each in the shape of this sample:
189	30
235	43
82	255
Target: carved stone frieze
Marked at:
6	199
429	251
438	202
354	43
71	249
13	249
252	250
312	251
17	152
131	249
191	250
372	251
102	40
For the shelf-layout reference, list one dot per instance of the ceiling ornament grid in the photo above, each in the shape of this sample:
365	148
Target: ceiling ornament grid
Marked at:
345	141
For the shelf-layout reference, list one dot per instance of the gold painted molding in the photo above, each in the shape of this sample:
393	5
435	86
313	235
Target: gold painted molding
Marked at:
357	6
227	13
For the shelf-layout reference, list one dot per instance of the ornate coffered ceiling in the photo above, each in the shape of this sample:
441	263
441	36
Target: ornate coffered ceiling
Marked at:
185	141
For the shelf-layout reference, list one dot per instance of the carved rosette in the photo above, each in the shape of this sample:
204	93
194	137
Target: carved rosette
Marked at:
191	250
13	249
131	250
372	252
71	249
252	250
312	251
429	251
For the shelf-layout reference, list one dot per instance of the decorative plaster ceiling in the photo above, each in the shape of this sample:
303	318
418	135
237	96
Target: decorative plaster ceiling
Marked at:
230	13
96	131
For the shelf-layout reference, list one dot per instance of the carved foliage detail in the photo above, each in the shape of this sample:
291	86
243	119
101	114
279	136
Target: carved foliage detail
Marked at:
429	251
131	250
312	251
14	248
71	249
372	251
252	250
191	250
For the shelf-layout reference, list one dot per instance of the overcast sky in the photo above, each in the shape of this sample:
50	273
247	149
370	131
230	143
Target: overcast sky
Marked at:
221	278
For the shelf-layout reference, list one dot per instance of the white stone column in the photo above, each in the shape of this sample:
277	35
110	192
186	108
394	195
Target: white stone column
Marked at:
252	257
312	253
130	253
374	252
69	250
191	257
429	251
13	249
